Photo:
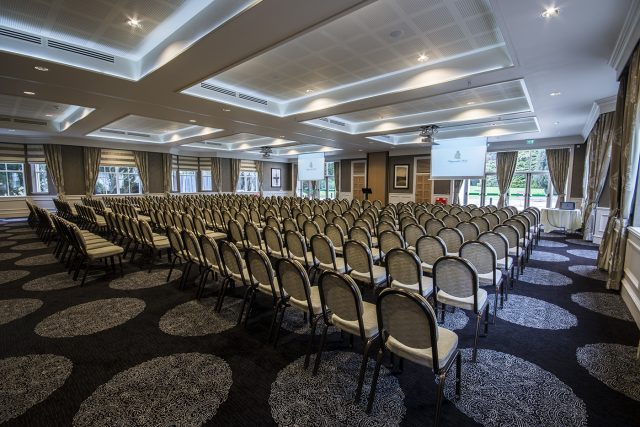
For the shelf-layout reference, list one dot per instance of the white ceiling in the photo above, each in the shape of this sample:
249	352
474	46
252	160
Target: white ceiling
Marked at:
491	67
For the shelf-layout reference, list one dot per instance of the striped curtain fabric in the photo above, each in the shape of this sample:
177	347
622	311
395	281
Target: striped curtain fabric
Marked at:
216	173
91	157
117	158
260	171
167	161
142	163
53	157
235	173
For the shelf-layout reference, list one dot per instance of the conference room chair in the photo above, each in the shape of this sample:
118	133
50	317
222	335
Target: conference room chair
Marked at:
156	243
298	250
262	280
429	249
482	256
452	239
411	233
404	271
469	231
360	264
235	270
213	264
236	234
500	245
324	254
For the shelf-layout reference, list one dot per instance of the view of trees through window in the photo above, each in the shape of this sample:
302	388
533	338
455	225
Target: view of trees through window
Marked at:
325	188
248	182
118	180
12	179
39	178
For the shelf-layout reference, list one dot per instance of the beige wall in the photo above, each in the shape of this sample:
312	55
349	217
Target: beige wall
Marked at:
377	172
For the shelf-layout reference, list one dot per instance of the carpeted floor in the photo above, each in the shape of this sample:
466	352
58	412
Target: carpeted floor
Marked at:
136	351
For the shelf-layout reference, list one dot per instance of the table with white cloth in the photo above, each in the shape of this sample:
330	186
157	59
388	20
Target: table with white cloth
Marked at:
561	219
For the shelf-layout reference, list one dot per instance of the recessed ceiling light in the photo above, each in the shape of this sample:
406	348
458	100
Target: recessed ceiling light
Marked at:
28	92
134	23
192	121
40	68
226	110
551	12
12	130
308	91
396	33
471	102
49	115
422	57
555	94
359	150
281	136
556	123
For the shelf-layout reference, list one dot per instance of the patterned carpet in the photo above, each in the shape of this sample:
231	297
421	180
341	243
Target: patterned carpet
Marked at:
135	351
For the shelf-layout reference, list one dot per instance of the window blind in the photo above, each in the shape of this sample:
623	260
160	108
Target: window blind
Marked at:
117	158
35	153
205	163
12	153
248	165
188	163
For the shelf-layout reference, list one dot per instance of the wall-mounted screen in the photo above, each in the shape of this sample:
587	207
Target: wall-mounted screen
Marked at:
311	167
462	158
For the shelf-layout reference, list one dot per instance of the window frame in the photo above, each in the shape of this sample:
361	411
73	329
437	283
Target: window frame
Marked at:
6	172
35	180
118	174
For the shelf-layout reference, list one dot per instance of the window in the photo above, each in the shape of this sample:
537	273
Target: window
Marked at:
12	179
39	178
118	180
248	182
174	180
188	181
205	180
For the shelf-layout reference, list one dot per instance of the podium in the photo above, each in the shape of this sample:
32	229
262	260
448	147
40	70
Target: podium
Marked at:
366	191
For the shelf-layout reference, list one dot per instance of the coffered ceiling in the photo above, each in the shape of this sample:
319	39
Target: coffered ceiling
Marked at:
228	77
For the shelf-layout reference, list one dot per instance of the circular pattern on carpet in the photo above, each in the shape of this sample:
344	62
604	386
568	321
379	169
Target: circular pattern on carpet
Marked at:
90	317
196	318
294	322
7	276
29	246
583	253
505	390
143	280
581	242
548	256
535	313
538	276
52	282
298	398
44	259
28	380
551	244
9	255
590	271
183	389
456	320
613	364
21	230
5	243
604	303
12	309
24	237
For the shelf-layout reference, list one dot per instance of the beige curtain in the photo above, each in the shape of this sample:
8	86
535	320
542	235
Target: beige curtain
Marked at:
625	154
294	168
260	173
505	168
142	163
597	160
235	174
216	173
558	160
166	172
53	158
91	157
457	185
336	172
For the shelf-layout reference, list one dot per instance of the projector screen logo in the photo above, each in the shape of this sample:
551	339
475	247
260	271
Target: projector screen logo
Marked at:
457	156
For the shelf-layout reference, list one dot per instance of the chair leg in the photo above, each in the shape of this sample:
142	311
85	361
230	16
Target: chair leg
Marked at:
314	323
250	308
363	367
223	288
173	264
440	380
274	319
374	381
120	263
495	307
247	295
475	340
316	365
458	374
279	327
84	276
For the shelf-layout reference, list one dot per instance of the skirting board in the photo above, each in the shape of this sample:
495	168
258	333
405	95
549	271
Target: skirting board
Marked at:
401	197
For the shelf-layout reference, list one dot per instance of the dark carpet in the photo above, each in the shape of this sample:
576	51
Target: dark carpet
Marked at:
137	351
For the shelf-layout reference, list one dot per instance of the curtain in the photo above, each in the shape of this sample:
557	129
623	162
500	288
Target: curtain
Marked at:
558	160
166	172
260	173
142	163
625	154
53	158
294	168
505	168
235	174
457	185
596	167
336	172
215	173
91	157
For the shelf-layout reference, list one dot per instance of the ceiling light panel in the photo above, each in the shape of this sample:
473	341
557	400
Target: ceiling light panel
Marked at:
56	116
378	49
147	129
96	35
241	142
486	102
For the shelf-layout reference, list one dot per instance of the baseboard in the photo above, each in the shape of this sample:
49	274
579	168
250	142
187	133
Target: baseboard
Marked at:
631	300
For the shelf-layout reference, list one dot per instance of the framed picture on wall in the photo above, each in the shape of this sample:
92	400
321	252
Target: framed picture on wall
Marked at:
276	182
401	176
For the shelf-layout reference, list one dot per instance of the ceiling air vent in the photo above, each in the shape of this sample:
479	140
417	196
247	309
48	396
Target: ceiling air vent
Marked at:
80	51
117	132
324	119
5	119
30	122
337	122
213	144
143	135
218	89
20	36
252	98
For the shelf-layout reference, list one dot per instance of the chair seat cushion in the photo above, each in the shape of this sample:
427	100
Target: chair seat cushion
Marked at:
486	279
316	305
465	303
379	275
447	345
340	267
216	235
427	286
427	268
105	251
501	263
369	322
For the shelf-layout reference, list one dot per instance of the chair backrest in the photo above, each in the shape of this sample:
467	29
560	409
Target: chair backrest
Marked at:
518	225
389	240
408	318
320	221
231	259
464	216
296	244
273	240
334	233
457	277
340	296
235	231
481	223
481	255
357	256
342	223
310	229
412	232
301	218
211	253
452	238
469	231
253	235
175	239
323	250
450	220
511	234
385	225
273	222
492	219
260	269
497	241
360	234
200	226
289	224
404	267
192	246
430	248
433	225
